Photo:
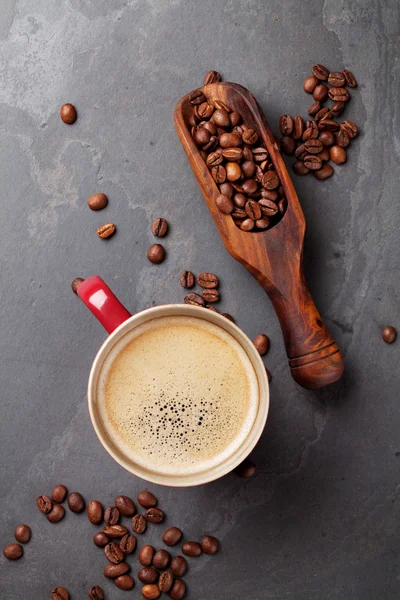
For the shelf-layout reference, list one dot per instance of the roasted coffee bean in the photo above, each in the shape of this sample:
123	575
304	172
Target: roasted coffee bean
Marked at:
337	108
310	84
328	125
311	133
211	144
95	512
262	223
115	531
327	138
238	129
195	300
338	155
147	575
253	210
230	140
197	97
124	582
165	581
322	113
224	204
298	128
44	504
246	469
113	553
282	205
161	559
226	189
59	593
320	93
248	154
13	551
106	231
221	118
178	590
324	173
270	195
239	214
56	514
288	145
112	571
59	492
207	280
155	515
209	544
96	593
125	506
270	180
159	227
127	543
68	113
233	154
204	110
248	168
239	200
250	137
286	124
324	154
342	138
22	534
139	523
350	128
221	106
300	152
339	94
320	72
172	536
259	154
247	225
218	173
178	566
191	549
268	207
201	135
156	254
111	515
187	279
193	119
97	201
146	555
312	162
389	334
100	539
209	296
150	592
250	187
314	108
233	171
215	158
313	146
74	285
350	79
211	77
230	318
308	123
235	118
261	342
336	79
210	127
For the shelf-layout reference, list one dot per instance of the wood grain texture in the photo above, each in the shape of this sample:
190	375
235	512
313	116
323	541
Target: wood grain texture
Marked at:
274	257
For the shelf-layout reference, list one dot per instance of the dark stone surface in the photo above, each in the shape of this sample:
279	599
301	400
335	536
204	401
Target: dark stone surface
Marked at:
321	519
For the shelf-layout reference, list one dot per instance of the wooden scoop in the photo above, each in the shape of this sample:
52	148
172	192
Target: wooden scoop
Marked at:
275	256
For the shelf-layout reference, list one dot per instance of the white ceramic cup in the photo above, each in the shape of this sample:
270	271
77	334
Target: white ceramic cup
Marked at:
118	322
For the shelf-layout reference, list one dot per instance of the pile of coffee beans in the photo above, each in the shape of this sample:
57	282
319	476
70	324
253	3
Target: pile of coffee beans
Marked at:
315	142
209	293
250	188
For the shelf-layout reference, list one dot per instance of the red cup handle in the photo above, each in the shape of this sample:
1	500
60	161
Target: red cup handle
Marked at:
102	303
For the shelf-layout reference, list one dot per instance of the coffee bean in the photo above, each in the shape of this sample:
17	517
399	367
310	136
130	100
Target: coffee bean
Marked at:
211	77
178	566
124	582
322	113
59	492
56	514
300	152
228	316
313	146
208	280
250	137
195	299
178	590
262	223
201	136
147	575
350	79
97	201
221	118
13	551
210	296
197	97
155	515
226	189
270	195
337	108
224	204
139	523
172	536
233	154
320	72
59	593
328	125
268	207
229	140
74	285
106	231
128	542
311	133
350	128
150	592
209	544
125	506
95	512
210	127
248	168
286	124
156	254
308	123
165	581
193	119
247	225
191	549
327	138
112	571
320	93
298	128
389	334
336	79
115	531
248	154
342	138
233	171
161	559
159	227
261	342
282	205
339	94
111	515
187	279
312	162
68	113
96	593
212	308
239	200
310	84
324	173
288	145
235	118
100	539
314	108
270	180
246	469
114	553
239	214
204	110
44	504
146	555
259	154
324	154
218	173
213	141
253	210
22	534
250	187
338	155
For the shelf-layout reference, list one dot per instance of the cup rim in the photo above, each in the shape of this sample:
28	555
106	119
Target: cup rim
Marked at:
240	453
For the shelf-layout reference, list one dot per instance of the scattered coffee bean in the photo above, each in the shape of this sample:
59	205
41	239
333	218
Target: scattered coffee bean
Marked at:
207	280
350	128
161	559
328	125
312	162
209	544
211	77
112	571
115	531
299	168
155	515
210	295
336	79
159	227
165	581
151	591
286	124
288	145
178	566
187	279
313	146
298	128
191	549
314	108
324	155
337	108
178	590
127	543
111	515
172	536
96	593
261	342
59	593
194	299
320	93
338	155
246	469
327	138
124	582
148	575
320	72
100	539
95	512
146	555
349	77
74	285
68	113
13	551
106	231
339	94
229	317
324	173
224	204
59	492
247	225
125	506
22	534
114	553
44	504
139	524
250	136
156	254
56	514
97	201
342	138
389	334
310	84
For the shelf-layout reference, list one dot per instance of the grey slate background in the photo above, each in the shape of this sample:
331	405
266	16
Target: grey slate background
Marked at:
321	519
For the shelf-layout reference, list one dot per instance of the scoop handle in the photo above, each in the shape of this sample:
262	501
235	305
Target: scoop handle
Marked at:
101	301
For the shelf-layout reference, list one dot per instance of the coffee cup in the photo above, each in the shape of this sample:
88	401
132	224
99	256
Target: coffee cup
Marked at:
178	395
